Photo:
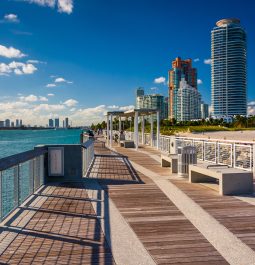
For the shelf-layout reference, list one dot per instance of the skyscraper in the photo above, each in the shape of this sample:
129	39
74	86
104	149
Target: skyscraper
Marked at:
51	123
204	110
7	123
154	101
228	71
57	123
66	122
188	102
17	123
180	69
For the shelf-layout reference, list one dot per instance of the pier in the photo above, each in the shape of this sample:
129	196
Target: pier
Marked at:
119	206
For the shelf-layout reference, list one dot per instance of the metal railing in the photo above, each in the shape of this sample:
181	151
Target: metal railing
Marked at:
87	155
237	154
20	176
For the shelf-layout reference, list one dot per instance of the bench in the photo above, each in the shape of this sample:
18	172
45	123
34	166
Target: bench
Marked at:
127	144
170	161
232	181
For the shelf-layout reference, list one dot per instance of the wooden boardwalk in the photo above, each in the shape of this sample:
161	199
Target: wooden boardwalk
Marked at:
59	224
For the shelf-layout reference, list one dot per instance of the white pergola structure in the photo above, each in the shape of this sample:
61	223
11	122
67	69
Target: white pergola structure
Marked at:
134	113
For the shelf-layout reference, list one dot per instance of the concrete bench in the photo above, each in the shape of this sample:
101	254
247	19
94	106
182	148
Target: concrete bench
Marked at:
170	161
127	144
232	181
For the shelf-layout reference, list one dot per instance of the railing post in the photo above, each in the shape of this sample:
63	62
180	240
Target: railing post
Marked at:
151	133
158	129
253	158
234	155
1	198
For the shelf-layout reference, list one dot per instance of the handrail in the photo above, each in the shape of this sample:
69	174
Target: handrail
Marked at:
87	144
13	160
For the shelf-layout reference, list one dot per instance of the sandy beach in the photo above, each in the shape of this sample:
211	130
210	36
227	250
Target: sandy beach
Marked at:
234	135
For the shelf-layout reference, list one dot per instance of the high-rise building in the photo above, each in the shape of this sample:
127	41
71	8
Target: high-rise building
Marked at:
204	110
57	123
51	123
188	102
20	123
12	124
17	123
7	123
228	71
139	92
166	107
66	122
1	124
180	69
154	101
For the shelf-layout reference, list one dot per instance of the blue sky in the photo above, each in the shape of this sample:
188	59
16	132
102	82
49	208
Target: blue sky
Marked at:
93	54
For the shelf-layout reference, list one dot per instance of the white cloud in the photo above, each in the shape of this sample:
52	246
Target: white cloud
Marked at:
199	82
10	52
64	6
160	80
125	108
207	61
18	68
35	62
70	102
251	108
113	107
35	111
28	69
50	85
18	72
60	80
196	60
50	95
41	98
50	3
12	18
5	69
30	98
154	88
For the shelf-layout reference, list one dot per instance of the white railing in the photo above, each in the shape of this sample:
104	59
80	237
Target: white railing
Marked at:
237	154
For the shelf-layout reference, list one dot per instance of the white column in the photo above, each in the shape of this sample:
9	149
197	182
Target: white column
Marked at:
158	129
142	129
136	130
111	130
107	130
151	121
119	123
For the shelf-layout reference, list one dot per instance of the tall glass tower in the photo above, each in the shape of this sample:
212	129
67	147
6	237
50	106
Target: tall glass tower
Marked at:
228	71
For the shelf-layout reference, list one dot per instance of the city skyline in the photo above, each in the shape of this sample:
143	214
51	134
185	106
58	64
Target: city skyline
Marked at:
96	54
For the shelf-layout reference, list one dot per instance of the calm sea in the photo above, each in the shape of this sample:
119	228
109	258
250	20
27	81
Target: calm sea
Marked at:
16	141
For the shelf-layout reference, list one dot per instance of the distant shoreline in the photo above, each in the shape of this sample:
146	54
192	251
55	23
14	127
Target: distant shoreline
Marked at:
34	128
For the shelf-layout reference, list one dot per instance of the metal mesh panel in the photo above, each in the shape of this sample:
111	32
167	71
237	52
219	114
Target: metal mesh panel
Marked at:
179	143
187	143
243	156
225	154
24	180
9	188
200	149
210	151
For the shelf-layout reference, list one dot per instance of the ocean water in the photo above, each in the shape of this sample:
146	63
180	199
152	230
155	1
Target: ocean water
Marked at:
17	141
